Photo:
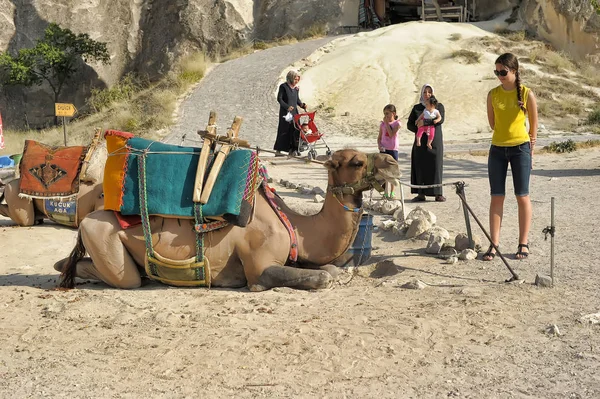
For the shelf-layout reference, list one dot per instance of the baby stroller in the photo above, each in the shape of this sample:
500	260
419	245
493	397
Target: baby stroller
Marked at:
309	139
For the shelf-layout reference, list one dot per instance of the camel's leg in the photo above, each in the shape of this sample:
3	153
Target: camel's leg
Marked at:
20	210
112	263
285	276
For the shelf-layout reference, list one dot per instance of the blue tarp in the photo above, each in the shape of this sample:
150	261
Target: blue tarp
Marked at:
6	162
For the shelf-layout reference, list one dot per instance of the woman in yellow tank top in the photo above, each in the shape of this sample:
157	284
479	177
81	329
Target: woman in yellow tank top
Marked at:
509	106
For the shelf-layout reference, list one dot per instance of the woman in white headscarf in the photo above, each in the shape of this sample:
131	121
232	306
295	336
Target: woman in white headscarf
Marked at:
289	101
426	165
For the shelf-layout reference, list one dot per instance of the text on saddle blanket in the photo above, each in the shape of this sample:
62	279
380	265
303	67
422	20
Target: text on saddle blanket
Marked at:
50	171
169	173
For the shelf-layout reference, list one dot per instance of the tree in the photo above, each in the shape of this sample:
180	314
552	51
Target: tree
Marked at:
54	59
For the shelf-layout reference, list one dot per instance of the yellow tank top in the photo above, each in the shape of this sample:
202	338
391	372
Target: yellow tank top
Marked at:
509	119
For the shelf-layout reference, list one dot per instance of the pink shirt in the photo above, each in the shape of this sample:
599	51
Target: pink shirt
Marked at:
390	142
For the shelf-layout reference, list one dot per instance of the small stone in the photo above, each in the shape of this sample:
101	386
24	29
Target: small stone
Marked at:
418	227
542	280
319	199
553	330
387	225
414	285
467	254
318	190
593	318
387	267
452	260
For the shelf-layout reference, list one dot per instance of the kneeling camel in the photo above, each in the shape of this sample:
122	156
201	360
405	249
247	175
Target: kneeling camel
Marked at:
255	255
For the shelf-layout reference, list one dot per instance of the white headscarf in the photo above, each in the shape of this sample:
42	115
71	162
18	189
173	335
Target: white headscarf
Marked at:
422	100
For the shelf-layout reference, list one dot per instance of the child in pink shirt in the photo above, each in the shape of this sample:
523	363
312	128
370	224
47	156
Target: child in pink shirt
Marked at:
388	140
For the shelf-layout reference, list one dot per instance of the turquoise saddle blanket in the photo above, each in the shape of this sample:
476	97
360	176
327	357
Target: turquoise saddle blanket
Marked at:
170	173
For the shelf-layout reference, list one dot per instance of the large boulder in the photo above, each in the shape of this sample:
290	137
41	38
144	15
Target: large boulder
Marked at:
143	37
572	26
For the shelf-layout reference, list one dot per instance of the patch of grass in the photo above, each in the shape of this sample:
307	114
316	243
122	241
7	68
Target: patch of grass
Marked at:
124	90
470	57
558	60
590	74
594	116
588	144
455	37
318	29
191	69
561	147
513	35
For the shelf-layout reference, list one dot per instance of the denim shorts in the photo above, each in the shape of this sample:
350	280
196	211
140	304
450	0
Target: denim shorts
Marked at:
393	153
519	158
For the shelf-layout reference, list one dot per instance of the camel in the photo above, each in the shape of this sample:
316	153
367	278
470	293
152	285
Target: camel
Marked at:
255	256
27	212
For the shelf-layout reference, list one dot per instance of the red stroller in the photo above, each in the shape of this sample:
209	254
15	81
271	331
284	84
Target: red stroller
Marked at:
309	135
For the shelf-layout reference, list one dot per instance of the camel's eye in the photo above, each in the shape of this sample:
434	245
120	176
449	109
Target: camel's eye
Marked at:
356	164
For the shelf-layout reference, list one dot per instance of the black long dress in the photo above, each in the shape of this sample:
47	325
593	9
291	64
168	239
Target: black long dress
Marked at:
426	166
287	135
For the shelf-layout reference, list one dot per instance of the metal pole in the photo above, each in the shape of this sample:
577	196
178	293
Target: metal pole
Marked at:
514	275
460	190
65	130
552	240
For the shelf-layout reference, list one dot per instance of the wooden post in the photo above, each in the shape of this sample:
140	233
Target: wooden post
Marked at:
232	134
552	240
65	131
209	143
423	10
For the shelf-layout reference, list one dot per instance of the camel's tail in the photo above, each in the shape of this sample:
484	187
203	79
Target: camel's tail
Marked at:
70	270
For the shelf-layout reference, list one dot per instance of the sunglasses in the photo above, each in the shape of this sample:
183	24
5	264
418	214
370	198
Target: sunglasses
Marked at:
503	72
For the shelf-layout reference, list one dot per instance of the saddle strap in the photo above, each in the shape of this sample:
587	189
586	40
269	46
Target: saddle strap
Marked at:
190	272
293	257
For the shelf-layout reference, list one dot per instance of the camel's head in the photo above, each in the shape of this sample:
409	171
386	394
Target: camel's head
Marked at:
352	171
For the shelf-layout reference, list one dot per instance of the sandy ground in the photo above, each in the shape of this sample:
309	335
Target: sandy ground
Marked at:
467	334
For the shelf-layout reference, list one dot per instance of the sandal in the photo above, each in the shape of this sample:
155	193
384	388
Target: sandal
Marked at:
419	198
440	198
520	253
489	255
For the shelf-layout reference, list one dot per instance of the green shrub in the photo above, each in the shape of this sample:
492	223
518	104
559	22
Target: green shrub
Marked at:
124	90
563	146
594	117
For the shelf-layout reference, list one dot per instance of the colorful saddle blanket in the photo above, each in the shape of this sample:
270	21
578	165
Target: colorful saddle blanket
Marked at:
169	172
50	172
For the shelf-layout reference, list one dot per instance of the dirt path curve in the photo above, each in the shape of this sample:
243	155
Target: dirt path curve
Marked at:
246	87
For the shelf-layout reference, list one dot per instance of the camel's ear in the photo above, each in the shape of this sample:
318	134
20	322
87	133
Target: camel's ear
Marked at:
332	164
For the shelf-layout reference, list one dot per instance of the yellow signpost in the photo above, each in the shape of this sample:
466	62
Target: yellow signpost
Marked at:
64	110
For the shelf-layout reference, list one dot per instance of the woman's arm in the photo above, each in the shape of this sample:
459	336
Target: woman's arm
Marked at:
532	112
490	110
412	119
280	94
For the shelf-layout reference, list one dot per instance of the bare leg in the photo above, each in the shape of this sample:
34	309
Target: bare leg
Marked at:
496	212
438	11
285	276
524	205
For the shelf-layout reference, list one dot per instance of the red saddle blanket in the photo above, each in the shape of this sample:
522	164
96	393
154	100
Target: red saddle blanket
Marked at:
50	172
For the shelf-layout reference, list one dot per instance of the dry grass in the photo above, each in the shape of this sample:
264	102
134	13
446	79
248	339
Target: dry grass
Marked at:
468	56
455	37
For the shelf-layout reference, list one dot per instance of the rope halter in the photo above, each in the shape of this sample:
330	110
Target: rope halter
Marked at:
368	181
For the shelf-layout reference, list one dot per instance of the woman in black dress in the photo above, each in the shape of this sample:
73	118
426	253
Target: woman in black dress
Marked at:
426	165
289	101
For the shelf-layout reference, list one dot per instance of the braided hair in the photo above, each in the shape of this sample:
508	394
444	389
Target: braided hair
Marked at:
510	61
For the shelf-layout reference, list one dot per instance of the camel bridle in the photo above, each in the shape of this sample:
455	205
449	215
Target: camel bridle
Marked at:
368	181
